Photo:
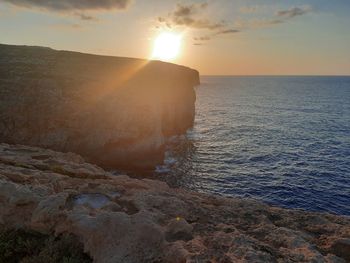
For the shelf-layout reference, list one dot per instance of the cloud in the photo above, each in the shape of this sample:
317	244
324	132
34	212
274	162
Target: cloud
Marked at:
198	24
187	10
228	31
211	36
195	16
257	23
203	38
280	17
71	5
86	17
77	8
190	16
294	11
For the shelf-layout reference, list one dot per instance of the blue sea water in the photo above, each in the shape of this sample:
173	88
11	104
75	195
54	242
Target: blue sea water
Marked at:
282	140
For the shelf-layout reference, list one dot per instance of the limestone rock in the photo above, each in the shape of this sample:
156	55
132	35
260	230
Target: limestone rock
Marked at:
121	219
179	229
341	248
114	111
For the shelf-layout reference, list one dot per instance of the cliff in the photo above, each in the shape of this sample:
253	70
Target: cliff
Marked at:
120	219
114	111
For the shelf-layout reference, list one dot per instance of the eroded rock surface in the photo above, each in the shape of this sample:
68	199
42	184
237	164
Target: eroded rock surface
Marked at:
120	219
114	111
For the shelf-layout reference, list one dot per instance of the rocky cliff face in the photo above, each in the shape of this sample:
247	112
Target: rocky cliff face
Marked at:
114	111
120	219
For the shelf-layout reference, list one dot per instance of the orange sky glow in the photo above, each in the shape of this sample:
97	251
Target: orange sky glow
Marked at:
221	37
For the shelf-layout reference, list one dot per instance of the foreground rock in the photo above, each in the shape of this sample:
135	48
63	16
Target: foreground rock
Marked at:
114	111
120	219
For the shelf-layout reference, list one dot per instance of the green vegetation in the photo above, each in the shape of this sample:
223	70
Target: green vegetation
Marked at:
32	247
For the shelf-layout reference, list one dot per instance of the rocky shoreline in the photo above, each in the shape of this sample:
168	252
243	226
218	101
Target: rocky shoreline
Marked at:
56	206
123	219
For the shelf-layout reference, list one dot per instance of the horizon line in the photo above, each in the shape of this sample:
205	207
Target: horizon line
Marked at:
267	75
170	62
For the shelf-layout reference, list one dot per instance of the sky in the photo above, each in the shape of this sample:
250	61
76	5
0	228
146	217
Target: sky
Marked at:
219	37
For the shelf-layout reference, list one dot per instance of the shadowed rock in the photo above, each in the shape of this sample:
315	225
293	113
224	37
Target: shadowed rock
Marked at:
341	248
114	111
179	229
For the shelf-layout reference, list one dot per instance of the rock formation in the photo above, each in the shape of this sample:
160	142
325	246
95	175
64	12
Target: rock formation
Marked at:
120	219
113	111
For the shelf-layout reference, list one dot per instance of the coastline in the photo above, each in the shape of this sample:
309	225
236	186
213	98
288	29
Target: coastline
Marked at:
114	111
53	193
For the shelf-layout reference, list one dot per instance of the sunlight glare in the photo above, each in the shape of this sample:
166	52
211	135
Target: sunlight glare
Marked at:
167	46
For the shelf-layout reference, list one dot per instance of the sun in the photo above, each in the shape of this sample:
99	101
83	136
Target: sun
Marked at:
167	46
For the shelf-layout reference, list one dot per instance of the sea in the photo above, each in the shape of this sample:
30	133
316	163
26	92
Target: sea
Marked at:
281	140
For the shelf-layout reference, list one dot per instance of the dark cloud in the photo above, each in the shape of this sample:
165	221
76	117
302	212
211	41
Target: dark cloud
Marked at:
211	36
197	23
86	17
203	38
280	17
273	21
293	12
195	16
228	31
190	16
161	19
71	5
188	10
